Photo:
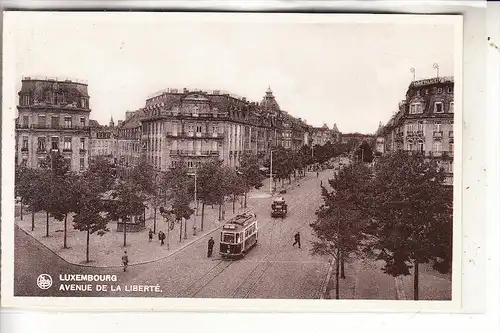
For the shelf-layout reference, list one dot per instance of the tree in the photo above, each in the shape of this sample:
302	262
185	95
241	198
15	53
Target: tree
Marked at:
341	220
250	173
89	208
103	172
180	189
208	185
126	201
364	152
235	184
64	201
413	213
54	191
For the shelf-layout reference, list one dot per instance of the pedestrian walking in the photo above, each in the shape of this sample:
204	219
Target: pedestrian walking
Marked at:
297	239
317	174
211	243
161	236
321	183
150	235
125	261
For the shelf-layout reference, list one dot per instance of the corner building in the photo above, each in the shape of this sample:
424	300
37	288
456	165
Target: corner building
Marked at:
424	123
195	126
53	116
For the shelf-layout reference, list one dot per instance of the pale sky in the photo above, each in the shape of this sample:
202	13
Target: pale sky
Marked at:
348	73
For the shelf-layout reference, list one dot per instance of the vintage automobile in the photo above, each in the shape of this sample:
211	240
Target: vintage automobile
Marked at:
279	207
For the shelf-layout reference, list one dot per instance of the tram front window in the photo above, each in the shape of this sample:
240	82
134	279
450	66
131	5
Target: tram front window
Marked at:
228	238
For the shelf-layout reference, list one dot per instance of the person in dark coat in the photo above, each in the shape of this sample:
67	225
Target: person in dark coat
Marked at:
150	235
297	239
161	236
211	243
125	261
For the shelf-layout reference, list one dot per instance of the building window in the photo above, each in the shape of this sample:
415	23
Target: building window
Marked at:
440	90
82	163
416	108
420	126
41	144
55	142
68	122
418	92
198	129
82	121
67	143
452	105
190	164
410	145
438	107
437	126
26	120
450	90
451	147
427	91
190	128
25	143
437	147
82	143
42	121
55	121
420	146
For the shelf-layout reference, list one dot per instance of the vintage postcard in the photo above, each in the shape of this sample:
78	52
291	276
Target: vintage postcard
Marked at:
255	162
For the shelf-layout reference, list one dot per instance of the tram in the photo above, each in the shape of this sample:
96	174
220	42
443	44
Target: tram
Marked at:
238	236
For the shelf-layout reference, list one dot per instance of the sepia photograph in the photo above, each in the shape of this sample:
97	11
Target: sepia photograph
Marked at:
171	156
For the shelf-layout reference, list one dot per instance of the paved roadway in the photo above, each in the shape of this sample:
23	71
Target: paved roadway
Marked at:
273	269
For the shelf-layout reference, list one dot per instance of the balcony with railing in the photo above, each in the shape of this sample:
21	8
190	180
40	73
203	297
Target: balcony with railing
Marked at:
199	135
53	127
180	152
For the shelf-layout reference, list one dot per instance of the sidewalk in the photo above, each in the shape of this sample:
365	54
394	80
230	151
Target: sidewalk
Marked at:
107	250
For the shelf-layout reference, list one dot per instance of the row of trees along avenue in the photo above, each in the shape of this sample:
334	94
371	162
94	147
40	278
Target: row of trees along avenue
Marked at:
399	211
97	196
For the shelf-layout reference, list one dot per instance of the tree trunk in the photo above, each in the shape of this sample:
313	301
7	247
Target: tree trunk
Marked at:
223	210
415	282
154	223
234	200
245	200
185	228
197	205
21	209
124	232
32	220
202	214
180	232
47	225
65	230
342	261
220	212
337	294
144	215
88	245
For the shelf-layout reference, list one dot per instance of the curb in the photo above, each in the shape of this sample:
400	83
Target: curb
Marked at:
120	266
327	280
400	293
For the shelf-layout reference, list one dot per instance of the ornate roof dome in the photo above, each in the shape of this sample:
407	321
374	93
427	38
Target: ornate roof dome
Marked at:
269	102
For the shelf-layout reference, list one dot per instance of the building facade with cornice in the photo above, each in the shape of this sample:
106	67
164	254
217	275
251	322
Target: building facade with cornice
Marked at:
424	123
53	116
195	126
104	141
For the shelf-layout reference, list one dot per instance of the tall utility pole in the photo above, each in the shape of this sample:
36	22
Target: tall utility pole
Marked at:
271	175
196	203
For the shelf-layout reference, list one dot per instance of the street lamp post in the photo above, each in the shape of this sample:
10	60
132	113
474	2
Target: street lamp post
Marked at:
196	204
271	175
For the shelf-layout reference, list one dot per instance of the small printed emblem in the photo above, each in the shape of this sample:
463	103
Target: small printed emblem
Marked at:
44	281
